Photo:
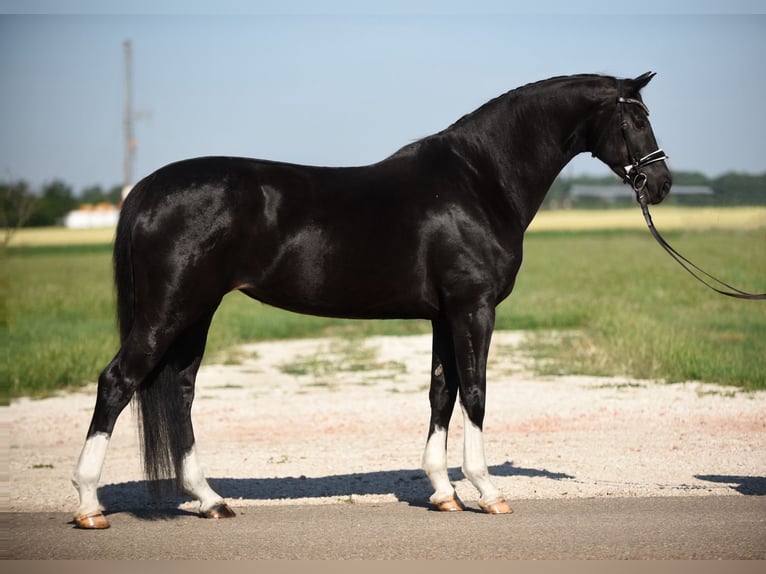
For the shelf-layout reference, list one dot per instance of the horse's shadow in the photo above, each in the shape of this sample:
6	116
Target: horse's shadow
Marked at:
747	485
407	485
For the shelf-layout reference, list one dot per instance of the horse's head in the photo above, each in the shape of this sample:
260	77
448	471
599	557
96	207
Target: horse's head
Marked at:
626	143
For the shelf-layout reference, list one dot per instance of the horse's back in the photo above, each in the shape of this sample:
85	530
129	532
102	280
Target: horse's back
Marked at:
375	241
332	241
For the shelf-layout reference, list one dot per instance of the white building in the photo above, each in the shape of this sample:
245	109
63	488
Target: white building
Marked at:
92	216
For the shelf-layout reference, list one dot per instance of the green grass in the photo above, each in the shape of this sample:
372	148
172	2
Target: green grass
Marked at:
342	356
59	325
598	302
628	308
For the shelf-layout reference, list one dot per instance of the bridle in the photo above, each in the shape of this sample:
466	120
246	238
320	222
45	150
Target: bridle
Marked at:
633	174
637	180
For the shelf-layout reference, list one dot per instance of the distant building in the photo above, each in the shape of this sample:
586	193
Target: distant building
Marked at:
92	216
614	192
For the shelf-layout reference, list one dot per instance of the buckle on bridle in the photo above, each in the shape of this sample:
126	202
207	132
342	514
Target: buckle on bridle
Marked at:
635	177
639	182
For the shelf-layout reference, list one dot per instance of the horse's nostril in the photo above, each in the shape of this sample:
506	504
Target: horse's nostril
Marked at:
665	188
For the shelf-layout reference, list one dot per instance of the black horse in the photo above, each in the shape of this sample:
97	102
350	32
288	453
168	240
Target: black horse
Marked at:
432	232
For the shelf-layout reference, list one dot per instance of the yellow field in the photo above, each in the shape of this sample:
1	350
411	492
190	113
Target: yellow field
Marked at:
666	218
35	236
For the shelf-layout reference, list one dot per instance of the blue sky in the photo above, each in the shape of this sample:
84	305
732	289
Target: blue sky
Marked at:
348	83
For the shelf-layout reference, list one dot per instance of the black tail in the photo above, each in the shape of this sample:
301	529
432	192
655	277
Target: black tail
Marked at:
158	398
160	403
123	265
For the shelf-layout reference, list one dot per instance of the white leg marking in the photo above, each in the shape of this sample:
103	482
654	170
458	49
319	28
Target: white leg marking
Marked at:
87	473
435	466
193	481
475	462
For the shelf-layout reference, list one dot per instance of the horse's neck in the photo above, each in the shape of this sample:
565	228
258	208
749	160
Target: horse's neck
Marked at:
530	138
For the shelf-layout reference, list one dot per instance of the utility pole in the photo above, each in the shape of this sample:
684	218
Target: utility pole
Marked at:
128	117
129	140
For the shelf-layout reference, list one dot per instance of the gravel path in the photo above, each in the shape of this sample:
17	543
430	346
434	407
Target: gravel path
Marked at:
330	421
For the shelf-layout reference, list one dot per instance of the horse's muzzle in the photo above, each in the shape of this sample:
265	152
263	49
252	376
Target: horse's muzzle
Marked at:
662	192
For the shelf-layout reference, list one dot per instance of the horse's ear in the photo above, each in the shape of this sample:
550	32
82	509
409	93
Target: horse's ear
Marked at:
643	79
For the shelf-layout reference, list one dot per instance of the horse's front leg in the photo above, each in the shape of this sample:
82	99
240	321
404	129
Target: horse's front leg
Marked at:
444	389
472	333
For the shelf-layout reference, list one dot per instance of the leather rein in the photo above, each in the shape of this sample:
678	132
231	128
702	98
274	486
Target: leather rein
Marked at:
637	180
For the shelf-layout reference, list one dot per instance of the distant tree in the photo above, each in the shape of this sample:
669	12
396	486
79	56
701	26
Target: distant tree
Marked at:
114	195
740	188
92	195
690	178
96	194
17	205
56	201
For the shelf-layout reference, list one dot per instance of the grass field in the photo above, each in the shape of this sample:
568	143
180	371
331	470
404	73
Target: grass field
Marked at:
598	301
666	218
670	218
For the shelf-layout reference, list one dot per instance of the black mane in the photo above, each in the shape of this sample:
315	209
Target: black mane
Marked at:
521	91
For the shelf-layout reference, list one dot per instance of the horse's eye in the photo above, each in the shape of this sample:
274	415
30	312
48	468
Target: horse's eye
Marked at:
640	124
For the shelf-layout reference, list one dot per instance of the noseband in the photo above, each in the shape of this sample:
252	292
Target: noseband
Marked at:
637	180
633	174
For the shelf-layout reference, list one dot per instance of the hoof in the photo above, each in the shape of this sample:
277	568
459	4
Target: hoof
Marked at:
452	504
92	521
219	511
497	506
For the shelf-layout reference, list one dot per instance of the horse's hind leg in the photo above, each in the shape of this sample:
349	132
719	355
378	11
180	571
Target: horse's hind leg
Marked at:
190	349
116	386
194	483
85	478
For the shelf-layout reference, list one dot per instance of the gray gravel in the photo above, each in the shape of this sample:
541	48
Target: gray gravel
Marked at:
330	421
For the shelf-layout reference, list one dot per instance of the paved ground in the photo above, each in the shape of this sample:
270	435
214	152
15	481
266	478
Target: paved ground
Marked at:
321	460
714	527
